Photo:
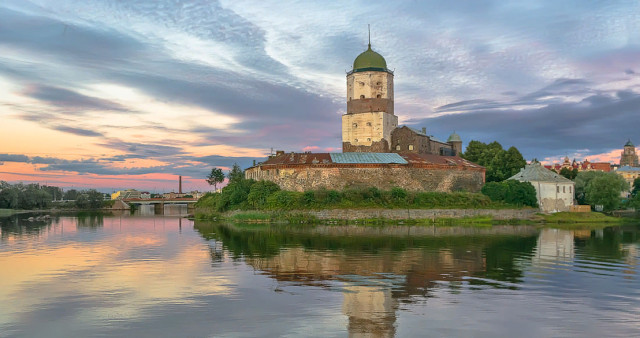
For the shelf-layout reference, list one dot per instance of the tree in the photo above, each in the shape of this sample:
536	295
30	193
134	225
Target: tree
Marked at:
215	177
235	174
569	173
512	192
605	190
259	192
500	164
582	180
635	188
71	195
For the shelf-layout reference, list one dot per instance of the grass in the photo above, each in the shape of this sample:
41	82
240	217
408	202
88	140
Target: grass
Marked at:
580	218
7	212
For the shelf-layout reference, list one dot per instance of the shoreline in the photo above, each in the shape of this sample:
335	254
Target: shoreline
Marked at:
473	217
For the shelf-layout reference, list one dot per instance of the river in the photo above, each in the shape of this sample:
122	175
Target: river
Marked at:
147	275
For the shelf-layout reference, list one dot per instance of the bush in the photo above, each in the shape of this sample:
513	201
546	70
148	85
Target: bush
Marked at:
259	193
511	192
284	200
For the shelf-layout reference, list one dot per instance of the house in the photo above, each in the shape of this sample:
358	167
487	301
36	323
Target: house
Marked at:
554	192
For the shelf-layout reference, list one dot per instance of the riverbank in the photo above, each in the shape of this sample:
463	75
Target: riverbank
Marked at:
479	217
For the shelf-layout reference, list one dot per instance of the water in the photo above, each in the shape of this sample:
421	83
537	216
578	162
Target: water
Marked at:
138	276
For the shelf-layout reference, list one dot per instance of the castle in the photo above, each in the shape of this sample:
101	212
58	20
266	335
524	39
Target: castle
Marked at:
376	151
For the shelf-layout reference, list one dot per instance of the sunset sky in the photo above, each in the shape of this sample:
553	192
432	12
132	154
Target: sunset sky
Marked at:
131	94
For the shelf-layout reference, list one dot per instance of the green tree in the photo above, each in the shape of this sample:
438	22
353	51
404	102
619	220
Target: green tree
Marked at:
259	192
235	174
215	177
635	188
605	190
511	192
499	163
582	180
569	173
71	195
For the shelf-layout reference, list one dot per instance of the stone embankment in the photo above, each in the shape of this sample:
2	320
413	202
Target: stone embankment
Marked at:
400	214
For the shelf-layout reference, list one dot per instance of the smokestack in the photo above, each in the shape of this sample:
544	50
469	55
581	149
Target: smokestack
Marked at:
180	185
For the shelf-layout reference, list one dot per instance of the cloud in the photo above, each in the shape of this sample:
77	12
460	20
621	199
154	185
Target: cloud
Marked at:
69	101
77	131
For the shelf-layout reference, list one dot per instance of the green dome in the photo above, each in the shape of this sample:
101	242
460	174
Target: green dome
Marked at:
629	144
454	138
369	60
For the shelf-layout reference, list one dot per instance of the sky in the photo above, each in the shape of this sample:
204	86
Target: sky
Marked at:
131	94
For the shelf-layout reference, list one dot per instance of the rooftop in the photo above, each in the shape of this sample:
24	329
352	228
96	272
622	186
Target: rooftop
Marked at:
536	172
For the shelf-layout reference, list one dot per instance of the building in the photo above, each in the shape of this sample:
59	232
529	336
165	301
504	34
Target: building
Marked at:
370	123
554	192
125	194
628	157
580	166
629	174
376	151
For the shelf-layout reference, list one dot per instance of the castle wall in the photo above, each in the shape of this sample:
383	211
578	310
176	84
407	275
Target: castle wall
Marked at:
382	176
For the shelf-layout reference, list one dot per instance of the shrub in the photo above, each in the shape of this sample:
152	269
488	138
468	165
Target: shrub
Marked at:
512	192
259	192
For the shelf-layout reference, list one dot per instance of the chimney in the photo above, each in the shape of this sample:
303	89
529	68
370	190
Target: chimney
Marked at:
180	185
424	130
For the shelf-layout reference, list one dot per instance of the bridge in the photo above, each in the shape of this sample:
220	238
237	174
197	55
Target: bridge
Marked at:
158	203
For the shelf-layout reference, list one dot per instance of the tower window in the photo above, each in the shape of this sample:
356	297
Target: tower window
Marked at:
398	147
362	96
379	83
368	139
378	96
356	140
368	124
355	125
362	83
349	98
411	147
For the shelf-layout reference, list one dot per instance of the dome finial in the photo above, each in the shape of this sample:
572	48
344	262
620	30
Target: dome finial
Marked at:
369	28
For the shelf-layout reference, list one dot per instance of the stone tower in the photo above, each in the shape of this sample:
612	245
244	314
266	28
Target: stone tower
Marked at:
456	143
367	125
629	156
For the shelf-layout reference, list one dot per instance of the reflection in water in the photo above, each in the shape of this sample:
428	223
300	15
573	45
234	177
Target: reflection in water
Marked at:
131	275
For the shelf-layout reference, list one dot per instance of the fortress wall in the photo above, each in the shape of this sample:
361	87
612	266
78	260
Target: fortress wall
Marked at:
381	176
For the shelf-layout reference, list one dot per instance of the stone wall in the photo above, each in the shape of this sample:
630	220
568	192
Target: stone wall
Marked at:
383	176
370	105
398	214
381	146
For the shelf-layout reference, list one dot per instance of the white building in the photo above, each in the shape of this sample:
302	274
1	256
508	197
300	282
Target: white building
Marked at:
554	192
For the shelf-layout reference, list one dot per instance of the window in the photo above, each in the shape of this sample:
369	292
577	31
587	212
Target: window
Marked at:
368	139
378	96
379	83
362	83
356	140
557	189
411	147
349	98
398	147
362	96
368	124
355	125
570	189
564	190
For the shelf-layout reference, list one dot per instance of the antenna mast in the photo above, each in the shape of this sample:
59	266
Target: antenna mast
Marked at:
369	28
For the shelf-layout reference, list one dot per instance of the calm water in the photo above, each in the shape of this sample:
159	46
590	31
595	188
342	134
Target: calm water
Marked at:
139	276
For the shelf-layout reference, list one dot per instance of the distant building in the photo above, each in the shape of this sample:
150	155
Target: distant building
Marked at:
580	166
554	192
629	174
145	195
125	194
628	157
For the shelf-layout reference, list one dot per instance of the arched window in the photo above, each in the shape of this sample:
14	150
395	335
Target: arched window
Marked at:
355	125
368	139
362	96
356	140
378	96
398	147
368	124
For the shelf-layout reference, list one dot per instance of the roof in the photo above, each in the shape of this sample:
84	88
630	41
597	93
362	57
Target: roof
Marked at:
536	172
369	60
367	158
454	138
629	144
628	168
